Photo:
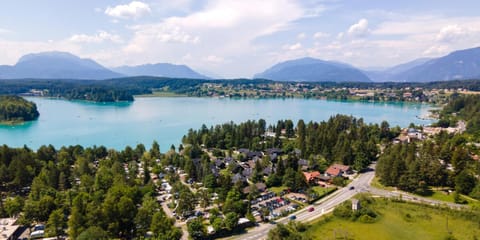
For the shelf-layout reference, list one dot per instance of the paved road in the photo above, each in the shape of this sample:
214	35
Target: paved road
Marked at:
321	207
326	205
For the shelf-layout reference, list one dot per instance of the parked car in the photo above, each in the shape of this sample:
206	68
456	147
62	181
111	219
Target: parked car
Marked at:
311	209
293	217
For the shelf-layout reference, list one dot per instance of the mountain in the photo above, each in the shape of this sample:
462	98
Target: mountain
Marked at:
462	64
160	70
313	70
58	65
388	74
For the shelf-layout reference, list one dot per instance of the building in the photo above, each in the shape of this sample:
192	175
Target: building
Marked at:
312	177
355	204
8	229
338	170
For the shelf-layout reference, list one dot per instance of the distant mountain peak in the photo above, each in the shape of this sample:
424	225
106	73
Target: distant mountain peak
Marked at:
56	65
313	70
160	70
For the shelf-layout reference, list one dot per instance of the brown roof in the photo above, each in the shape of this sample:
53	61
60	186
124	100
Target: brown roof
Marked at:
336	169
311	175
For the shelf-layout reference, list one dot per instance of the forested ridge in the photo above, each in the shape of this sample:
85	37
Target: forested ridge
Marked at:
123	89
17	109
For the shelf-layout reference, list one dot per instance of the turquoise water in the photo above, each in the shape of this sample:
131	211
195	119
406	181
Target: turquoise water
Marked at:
166	120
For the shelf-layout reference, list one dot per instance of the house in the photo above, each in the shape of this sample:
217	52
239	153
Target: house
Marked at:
219	163
261	187
238	178
414	134
311	177
253	155
338	170
8	229
271	151
247	172
303	163
267	171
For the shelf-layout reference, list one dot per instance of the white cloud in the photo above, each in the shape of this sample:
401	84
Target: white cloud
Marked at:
451	33
214	59
301	35
99	37
134	10
359	29
292	47
226	28
320	35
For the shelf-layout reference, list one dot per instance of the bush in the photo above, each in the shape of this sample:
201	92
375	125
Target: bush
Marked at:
366	219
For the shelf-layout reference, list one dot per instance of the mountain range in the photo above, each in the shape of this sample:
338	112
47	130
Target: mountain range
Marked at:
462	64
59	65
313	70
63	65
160	70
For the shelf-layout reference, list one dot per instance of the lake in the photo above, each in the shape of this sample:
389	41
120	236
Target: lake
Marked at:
116	125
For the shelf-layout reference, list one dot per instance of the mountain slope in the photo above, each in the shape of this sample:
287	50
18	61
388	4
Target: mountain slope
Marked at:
160	70
313	70
59	65
462	64
388	74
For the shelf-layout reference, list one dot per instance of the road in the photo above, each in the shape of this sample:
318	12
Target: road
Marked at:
321	207
326	205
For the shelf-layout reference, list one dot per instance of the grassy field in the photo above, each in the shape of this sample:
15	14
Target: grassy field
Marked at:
399	221
162	94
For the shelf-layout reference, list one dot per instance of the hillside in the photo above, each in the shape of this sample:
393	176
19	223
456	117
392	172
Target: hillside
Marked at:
160	70
462	64
56	65
313	70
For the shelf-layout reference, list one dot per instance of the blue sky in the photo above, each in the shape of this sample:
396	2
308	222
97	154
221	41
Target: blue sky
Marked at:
234	38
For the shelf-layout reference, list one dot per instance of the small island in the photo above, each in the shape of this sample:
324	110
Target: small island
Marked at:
15	109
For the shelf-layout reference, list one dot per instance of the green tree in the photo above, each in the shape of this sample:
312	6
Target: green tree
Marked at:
56	223
231	221
13	206
93	232
464	182
196	229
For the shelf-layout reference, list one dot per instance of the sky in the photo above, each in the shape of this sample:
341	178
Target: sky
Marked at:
238	38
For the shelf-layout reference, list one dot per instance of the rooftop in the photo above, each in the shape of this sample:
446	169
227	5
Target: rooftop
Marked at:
7	228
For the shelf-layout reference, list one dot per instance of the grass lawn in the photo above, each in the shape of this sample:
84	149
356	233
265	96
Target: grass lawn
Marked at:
278	190
376	183
321	190
436	194
399	221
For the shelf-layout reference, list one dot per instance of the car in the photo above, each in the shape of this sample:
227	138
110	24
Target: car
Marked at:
311	209
293	217
351	187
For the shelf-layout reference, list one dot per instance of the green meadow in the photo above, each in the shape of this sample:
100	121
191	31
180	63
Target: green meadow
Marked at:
400	220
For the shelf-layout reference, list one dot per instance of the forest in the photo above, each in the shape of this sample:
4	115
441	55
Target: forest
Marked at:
91	192
17	109
445	160
124	89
